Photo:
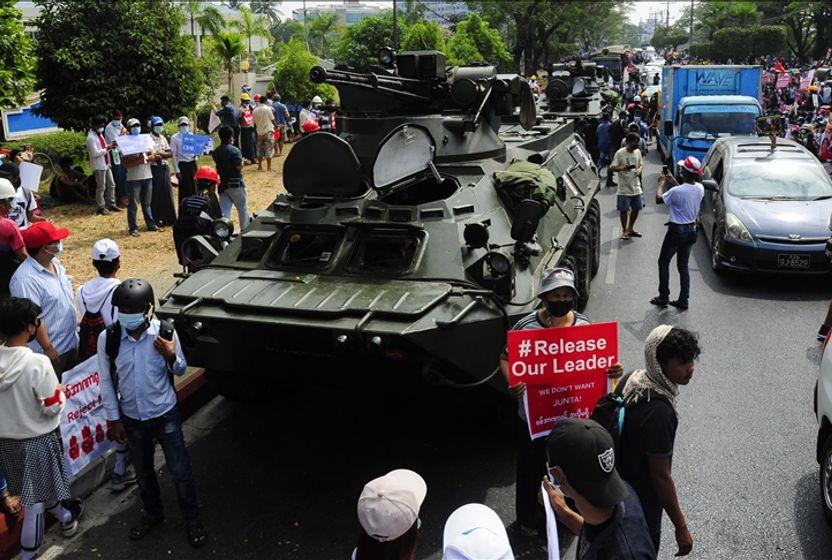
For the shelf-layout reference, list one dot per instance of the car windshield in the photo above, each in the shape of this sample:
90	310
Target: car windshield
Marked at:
779	179
709	122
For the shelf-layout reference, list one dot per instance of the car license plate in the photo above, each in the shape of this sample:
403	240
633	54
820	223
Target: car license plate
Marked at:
794	261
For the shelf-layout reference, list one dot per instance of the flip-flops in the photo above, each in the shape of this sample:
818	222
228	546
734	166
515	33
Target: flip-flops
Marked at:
634	233
661	302
197	536
625	236
145	525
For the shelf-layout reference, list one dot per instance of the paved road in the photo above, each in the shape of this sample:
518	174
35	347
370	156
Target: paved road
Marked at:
281	480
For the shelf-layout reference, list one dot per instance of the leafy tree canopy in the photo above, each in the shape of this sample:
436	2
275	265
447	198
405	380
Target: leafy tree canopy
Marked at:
363	41
476	41
147	68
16	62
423	35
291	75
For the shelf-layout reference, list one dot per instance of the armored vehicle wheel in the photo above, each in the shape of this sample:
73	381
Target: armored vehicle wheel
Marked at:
594	217
581	250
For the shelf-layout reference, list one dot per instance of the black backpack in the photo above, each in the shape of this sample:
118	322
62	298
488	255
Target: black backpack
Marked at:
92	323
610	410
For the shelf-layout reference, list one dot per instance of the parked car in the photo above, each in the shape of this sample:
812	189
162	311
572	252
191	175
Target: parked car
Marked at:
767	208
823	411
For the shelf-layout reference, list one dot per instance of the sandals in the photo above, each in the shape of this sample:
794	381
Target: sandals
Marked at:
660	301
197	536
680	305
634	233
625	236
145	525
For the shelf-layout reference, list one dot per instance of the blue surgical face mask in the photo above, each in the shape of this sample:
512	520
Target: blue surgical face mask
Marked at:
184	129
131	321
135	130
100	130
157	129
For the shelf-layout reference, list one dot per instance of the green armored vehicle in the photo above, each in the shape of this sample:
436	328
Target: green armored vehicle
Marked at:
416	234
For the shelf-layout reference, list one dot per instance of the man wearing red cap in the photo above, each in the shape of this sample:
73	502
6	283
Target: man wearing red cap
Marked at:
683	202
42	279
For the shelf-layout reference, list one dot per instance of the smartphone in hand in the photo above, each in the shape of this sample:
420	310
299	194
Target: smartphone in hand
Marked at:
166	330
665	170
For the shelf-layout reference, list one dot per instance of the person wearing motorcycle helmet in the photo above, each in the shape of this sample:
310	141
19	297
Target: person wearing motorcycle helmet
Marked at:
317	102
137	359
12	248
198	210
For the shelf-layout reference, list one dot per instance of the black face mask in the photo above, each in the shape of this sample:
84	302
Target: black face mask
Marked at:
559	308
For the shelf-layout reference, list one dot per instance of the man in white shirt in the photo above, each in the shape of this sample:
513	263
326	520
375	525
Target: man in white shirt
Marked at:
139	185
98	149
628	163
24	206
264	123
683	201
184	165
116	128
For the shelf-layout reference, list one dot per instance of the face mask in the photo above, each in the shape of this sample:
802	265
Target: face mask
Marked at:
100	130
59	250
559	308
135	131
157	129
131	321
184	129
117	121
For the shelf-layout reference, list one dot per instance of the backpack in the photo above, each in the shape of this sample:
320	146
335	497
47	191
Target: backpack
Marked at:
92	323
610	410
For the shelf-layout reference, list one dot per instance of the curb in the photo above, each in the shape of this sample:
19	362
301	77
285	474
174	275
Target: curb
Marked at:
193	393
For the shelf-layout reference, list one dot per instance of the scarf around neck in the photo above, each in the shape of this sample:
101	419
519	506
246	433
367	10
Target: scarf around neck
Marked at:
643	381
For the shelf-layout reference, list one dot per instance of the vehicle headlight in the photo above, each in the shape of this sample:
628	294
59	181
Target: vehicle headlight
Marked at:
735	229
222	228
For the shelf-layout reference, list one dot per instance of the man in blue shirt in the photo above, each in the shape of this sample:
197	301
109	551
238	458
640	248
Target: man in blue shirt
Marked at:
683	201
230	117
141	404
229	162
602	133
281	117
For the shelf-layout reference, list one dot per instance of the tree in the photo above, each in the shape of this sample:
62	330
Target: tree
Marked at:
291	75
666	37
321	31
285	31
147	68
234	4
210	68
716	15
229	48
487	45
423	35
362	42
16	62
267	8
249	26
742	43
208	18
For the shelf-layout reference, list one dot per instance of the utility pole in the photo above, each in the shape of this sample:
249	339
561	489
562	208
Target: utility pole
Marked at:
305	27
667	20
690	39
395	27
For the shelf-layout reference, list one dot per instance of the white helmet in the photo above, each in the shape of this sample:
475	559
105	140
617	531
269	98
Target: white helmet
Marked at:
6	189
317	99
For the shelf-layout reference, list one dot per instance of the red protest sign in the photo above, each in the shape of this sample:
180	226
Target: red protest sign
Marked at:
564	370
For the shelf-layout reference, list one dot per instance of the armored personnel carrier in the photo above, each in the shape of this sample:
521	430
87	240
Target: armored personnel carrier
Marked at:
417	233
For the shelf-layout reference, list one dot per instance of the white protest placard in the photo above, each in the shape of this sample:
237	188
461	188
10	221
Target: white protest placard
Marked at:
30	174
139	144
83	420
214	121
551	526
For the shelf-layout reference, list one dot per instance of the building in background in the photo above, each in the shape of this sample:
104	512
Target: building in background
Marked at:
348	11
444	13
647	27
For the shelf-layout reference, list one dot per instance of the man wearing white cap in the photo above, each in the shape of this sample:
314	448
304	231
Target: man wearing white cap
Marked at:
388	511
475	532
683	202
97	313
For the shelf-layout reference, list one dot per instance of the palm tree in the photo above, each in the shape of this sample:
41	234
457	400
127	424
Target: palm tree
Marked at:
229	47
321	27
248	25
266	8
208	18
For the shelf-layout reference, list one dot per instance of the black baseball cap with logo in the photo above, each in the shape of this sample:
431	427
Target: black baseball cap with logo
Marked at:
585	451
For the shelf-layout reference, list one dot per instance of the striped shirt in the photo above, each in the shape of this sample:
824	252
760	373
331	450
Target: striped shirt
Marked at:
532	322
53	294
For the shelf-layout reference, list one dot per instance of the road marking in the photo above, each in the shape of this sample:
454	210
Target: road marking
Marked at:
613	256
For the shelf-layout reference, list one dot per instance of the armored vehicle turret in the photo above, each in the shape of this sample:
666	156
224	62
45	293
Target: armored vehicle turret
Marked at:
417	233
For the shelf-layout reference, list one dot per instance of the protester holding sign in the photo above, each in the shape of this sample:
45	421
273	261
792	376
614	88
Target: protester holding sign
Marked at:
137	359
581	460
24	210
184	165
650	423
161	203
558	295
31	400
139	184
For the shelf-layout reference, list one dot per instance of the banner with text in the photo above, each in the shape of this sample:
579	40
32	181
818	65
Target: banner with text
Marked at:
783	81
138	144
806	80
196	144
564	370
83	421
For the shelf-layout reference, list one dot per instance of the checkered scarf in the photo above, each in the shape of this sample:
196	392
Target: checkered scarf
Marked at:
652	378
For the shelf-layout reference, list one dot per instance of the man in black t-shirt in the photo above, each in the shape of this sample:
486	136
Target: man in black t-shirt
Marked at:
649	432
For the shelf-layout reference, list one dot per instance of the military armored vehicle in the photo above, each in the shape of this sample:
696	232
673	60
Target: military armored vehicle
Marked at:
417	233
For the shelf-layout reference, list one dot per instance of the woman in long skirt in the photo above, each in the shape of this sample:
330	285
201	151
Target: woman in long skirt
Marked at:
161	205
248	134
31	452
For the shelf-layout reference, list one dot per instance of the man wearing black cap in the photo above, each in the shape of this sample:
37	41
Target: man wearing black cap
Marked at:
581	460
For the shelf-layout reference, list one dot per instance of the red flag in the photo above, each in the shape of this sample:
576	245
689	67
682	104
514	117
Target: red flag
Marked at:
778	67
